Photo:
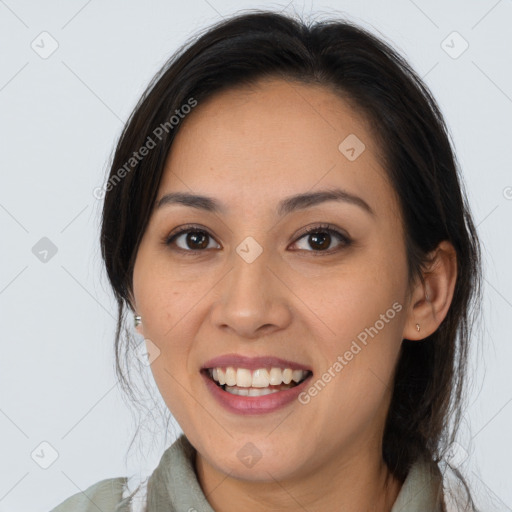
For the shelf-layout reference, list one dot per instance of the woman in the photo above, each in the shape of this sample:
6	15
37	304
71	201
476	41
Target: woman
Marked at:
285	220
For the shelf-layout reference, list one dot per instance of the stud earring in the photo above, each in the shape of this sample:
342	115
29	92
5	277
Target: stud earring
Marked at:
137	320
418	327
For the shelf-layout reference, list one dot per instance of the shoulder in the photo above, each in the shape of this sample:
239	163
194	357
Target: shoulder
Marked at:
105	495
422	489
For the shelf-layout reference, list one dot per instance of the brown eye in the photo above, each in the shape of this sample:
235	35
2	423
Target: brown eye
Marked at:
193	240
190	240
321	237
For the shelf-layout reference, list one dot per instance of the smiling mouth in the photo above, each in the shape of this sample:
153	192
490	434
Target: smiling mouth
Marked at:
259	382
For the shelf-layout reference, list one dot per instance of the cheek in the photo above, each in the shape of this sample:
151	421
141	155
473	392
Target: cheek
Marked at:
161	299
363	309
168	315
162	307
352	392
172	380
359	299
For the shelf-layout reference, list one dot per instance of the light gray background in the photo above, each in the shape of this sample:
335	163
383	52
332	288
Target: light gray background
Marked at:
60	117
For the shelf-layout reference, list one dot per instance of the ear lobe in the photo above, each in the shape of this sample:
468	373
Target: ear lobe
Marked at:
138	323
431	299
136	318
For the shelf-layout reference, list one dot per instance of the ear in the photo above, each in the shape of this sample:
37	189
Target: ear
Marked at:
133	307
431	299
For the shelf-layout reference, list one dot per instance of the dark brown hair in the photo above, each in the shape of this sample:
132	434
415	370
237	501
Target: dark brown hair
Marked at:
417	154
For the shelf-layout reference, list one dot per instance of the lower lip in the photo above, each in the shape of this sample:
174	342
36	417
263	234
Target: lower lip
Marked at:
254	404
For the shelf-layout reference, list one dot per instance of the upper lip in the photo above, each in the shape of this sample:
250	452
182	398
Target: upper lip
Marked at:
253	363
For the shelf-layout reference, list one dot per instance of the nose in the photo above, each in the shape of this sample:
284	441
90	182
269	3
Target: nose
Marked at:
252	300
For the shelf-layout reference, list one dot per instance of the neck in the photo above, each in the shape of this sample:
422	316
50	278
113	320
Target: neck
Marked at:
361	483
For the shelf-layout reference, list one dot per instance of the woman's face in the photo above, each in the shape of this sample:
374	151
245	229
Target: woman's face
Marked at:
251	283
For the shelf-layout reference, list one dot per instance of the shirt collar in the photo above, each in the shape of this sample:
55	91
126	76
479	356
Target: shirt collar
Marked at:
173	486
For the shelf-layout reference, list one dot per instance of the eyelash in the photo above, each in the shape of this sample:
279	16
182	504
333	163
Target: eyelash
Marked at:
321	228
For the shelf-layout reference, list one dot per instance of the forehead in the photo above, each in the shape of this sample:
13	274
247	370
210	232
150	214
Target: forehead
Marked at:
273	139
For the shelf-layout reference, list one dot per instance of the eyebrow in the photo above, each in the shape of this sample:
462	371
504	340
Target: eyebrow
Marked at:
285	207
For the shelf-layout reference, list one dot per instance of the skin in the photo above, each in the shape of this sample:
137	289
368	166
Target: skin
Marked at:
249	148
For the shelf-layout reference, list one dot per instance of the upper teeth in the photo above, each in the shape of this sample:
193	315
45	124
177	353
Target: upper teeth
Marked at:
260	378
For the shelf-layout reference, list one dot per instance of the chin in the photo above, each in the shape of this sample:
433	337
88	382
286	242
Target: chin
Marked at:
256	462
